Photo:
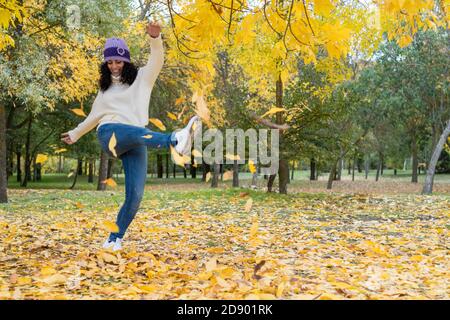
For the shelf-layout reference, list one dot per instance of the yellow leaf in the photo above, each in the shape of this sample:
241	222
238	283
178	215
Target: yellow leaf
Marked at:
172	116
109	257
79	112
79	205
272	111
179	100
178	159
147	136
111	226
232	157
251	166
46	271
110	182
23	280
60	150
254	228
280	289
227	175
41	158
55	279
70	174
211	264
208	176
196	153
248	205
158	124
112	144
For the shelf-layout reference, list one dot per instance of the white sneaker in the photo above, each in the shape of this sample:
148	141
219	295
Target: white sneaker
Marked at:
108	244
185	136
117	245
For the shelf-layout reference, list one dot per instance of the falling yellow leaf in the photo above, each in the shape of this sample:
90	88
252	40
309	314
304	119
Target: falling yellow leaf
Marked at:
251	166
172	116
147	136
232	157
208	176
227	175
202	109
60	150
272	111
178	159
41	158
79	112
196	153
110	182
112	144
158	124
248	205
111	226
70	174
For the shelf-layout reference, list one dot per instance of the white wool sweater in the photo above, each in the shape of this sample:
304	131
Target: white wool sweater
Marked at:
123	103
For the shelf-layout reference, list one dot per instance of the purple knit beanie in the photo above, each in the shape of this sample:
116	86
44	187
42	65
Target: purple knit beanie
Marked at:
116	49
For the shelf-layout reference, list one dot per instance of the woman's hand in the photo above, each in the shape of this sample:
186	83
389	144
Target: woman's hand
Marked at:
66	138
153	29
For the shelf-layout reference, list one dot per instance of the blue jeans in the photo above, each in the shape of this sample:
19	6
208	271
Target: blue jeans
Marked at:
131	148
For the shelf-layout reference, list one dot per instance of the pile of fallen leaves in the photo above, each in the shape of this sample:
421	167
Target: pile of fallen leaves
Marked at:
225	245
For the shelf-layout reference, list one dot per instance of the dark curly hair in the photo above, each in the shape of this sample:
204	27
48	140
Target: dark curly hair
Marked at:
129	73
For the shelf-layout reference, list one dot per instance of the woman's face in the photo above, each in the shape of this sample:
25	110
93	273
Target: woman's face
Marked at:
115	66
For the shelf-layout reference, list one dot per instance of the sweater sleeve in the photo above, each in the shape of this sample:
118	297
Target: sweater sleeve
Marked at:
155	62
89	123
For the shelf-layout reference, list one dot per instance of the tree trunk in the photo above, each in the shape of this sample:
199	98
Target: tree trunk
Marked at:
358	162
174	171
34	168
102	171
331	176
366	166
27	155
3	174
193	168
39	172
109	172
80	166
215	176
221	172
205	170
312	166
85	167
415	160
283	170
91	171
378	169
353	168
293	169
429	180
19	168
284	175
235	174
159	166
270	182
167	165
59	163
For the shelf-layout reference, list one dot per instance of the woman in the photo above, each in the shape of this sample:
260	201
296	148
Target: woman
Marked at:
121	109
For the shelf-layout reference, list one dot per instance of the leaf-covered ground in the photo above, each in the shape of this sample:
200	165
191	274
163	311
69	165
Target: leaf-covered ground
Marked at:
203	244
